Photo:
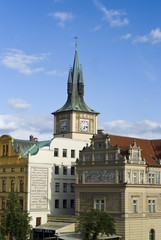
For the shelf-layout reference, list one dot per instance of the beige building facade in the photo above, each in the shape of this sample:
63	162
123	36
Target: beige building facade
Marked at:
121	176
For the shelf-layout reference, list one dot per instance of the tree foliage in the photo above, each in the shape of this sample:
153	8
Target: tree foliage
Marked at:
15	222
94	222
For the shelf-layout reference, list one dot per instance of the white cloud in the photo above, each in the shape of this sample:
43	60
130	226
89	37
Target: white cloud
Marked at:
153	37
126	36
18	104
55	72
41	126
22	126
114	17
62	17
18	60
98	27
140	129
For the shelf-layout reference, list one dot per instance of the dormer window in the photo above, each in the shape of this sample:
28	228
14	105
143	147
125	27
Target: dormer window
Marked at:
135	156
134	152
5	150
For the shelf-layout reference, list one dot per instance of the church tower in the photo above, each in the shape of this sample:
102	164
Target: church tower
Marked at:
75	119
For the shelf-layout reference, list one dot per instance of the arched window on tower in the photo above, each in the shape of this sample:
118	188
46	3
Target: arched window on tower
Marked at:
12	186
152	234
21	186
4	186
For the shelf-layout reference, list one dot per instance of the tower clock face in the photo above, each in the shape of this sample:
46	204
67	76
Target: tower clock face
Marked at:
84	126
63	126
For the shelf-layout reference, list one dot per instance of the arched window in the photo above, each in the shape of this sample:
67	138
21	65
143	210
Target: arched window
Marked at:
152	234
4	186
12	186
21	186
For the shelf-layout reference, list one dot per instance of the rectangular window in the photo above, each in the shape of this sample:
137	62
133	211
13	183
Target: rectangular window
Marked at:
64	170
141	178
149	178
64	203
38	221
21	203
72	170
56	151
149	205
56	187
12	170
135	207
134	178
128	177
56	203
99	204
71	187
4	169
152	178
72	153
3	150
6	150
102	205
72	203
153	205
21	169
64	152
64	187
3	203
56	169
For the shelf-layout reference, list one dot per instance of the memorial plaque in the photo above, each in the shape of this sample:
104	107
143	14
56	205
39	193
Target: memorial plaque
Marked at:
39	188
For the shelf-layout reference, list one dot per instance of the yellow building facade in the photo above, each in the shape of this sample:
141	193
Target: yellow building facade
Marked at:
13	172
121	176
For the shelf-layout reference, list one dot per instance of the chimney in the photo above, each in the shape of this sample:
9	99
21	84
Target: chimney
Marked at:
31	138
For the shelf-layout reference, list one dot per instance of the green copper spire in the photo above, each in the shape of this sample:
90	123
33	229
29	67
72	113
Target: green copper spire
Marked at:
75	100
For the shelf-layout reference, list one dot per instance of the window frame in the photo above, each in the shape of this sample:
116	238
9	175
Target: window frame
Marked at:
135	206
57	203
100	203
56	152
12	186
134	178
65	187
64	153
65	203
57	187
65	170
72	153
72	171
56	170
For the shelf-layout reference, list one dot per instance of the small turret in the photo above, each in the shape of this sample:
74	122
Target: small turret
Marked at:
81	83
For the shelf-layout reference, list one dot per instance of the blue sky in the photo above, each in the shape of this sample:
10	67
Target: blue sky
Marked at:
119	47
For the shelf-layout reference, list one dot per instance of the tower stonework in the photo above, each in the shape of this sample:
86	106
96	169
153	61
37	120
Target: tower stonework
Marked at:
75	119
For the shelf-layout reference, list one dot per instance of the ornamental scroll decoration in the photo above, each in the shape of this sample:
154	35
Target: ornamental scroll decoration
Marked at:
100	176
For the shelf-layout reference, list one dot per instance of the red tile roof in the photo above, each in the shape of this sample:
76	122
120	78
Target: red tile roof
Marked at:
151	149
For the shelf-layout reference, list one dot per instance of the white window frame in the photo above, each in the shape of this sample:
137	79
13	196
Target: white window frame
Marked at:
135	206
134	178
100	203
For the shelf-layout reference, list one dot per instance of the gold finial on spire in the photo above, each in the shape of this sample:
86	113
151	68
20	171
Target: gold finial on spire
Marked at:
76	42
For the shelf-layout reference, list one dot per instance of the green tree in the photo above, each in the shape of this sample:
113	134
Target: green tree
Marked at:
15	222
94	222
